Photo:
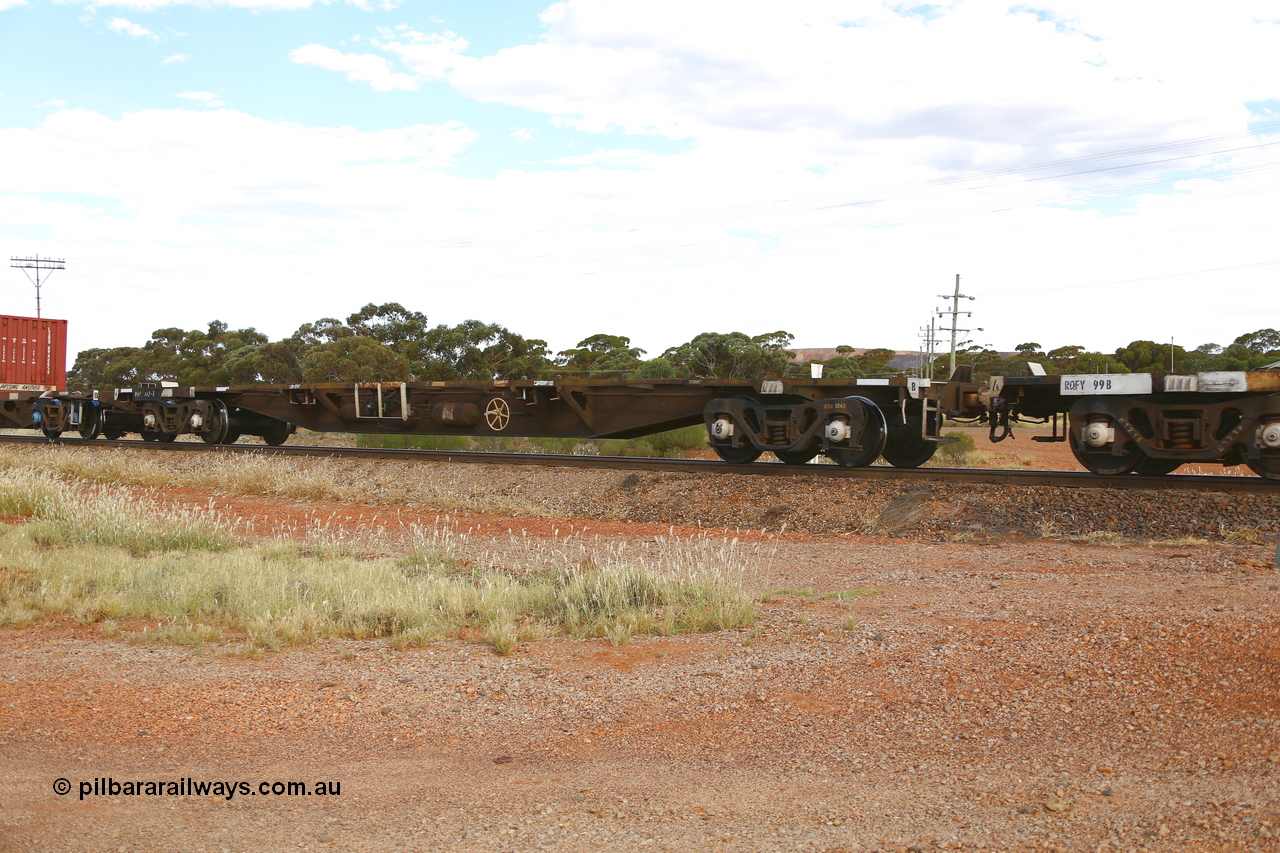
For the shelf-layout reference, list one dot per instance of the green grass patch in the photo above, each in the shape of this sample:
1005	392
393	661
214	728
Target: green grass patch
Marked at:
97	516
98	556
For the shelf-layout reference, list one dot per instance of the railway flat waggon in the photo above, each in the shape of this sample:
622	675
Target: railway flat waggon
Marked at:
853	422
1149	423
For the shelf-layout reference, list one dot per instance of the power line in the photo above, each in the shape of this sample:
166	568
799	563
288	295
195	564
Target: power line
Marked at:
38	264
1139	279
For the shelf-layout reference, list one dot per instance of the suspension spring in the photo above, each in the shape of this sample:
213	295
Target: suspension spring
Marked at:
778	434
1182	435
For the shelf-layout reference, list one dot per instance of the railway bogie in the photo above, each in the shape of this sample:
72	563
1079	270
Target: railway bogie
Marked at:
851	431
850	422
1154	423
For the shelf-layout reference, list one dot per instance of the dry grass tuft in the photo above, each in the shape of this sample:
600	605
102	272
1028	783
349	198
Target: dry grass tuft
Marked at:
101	556
1048	529
1102	538
426	487
1182	542
1242	535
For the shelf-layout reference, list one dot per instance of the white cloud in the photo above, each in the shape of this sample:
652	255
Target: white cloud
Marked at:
263	5
362	67
175	58
612	158
11	4
807	167
430	56
163	165
194	196
128	28
209	99
844	77
247	213
969	86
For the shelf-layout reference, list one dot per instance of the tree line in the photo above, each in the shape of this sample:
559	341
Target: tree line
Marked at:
389	343
1247	352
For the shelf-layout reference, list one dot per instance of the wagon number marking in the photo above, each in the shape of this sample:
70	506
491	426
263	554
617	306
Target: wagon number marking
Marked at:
1130	383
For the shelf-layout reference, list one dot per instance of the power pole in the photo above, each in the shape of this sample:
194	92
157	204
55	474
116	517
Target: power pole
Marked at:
955	313
38	264
929	334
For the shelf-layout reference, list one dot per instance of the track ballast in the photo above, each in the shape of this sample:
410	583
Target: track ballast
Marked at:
1071	479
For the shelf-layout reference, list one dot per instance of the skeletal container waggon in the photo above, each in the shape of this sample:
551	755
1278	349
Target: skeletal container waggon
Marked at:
851	422
1149	423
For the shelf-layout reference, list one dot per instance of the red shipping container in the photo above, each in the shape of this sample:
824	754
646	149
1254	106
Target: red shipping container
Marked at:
33	354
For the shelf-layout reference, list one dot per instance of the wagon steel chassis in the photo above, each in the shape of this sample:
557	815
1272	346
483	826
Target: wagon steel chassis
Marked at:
1117	424
852	421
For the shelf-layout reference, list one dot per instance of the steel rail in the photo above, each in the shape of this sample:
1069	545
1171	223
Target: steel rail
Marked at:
1004	477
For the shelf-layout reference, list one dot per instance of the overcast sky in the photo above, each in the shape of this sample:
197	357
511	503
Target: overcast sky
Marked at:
1094	171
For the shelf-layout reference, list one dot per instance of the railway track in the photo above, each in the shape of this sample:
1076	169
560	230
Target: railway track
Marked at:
1071	479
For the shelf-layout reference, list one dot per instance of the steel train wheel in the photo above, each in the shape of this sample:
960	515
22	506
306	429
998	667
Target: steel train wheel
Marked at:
848	457
90	422
737	455
875	433
1266	466
277	434
1107	464
149	435
219	424
905	447
1157	467
910	450
166	437
231	437
795	457
111	431
912	456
